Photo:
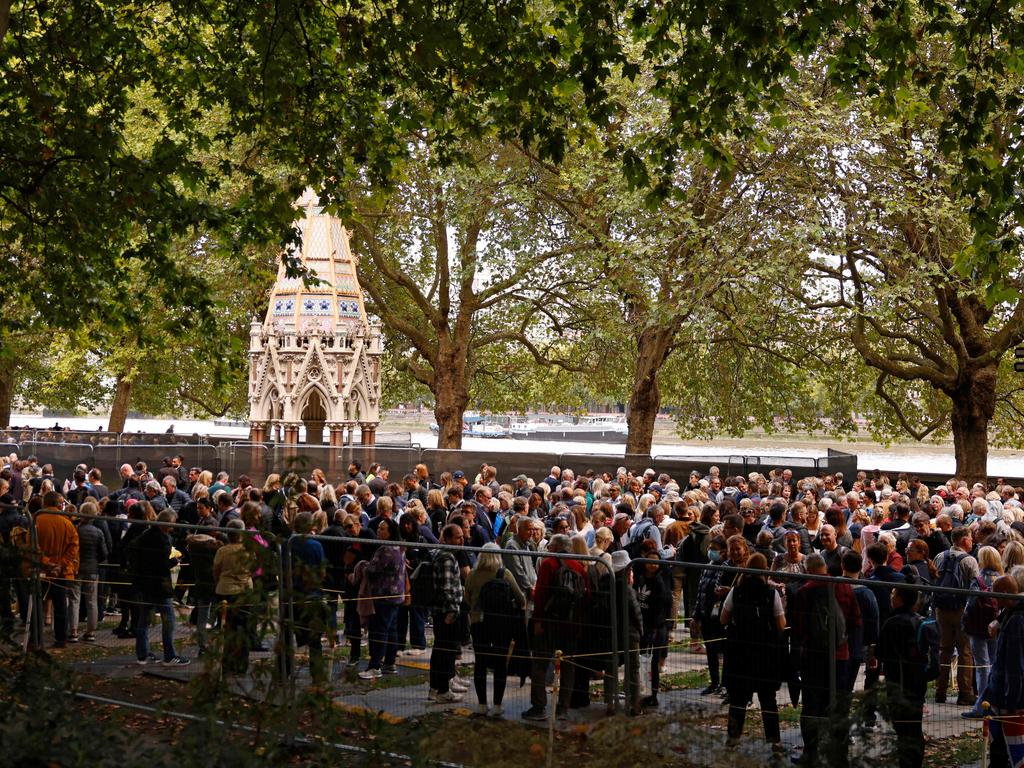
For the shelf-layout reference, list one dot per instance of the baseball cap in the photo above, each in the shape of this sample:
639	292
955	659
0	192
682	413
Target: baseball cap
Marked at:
458	474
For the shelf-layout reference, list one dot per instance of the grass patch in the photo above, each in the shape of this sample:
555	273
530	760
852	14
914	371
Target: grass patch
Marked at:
954	752
695	678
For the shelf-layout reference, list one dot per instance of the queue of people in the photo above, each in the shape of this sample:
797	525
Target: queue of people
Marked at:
556	558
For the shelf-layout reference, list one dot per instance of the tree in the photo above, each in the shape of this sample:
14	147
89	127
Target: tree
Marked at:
445	260
891	236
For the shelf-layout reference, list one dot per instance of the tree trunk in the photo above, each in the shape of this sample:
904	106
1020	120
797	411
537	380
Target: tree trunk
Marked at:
652	348
6	394
974	405
451	395
119	408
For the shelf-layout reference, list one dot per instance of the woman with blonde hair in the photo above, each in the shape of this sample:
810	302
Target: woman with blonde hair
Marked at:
205	478
492	631
979	613
1013	554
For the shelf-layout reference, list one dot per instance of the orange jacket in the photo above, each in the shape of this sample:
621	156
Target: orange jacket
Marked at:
58	545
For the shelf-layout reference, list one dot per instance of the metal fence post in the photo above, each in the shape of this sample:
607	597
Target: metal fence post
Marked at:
285	640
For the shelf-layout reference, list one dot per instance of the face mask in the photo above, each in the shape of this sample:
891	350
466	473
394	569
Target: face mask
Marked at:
714	555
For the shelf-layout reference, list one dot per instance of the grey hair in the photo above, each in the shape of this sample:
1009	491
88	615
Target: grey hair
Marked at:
489	559
235	528
153	485
559	543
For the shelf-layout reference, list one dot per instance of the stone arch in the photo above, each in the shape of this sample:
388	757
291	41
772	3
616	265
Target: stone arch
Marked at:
314	411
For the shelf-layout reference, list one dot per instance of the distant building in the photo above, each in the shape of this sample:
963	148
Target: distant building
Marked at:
314	361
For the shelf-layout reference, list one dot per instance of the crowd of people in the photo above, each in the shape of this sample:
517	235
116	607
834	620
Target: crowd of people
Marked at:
585	573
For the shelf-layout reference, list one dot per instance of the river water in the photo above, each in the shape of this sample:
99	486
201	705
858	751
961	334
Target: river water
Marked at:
926	458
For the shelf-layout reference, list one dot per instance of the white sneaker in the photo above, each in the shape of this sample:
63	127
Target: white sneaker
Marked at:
457	686
495	713
414	653
370	674
448	698
432	694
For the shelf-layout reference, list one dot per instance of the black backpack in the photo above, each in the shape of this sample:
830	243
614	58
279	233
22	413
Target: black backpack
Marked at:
497	601
817	622
421	584
951	576
921	657
565	594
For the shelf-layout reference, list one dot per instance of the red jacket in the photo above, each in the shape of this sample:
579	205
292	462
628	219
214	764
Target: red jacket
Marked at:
810	597
545	575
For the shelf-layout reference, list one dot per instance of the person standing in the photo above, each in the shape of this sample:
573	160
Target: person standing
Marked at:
448	594
822	648
152	565
754	618
385	576
1005	688
92	551
558	597
57	540
496	604
901	654
955	568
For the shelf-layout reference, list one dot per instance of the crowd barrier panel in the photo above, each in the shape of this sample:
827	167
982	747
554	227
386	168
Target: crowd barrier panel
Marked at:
278	620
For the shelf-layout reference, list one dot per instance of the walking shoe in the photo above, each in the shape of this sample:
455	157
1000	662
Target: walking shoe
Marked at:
535	713
561	713
89	637
413	653
370	674
710	689
965	700
456	685
479	710
178	661
495	713
650	701
389	669
151	659
73	639
972	714
432	694
448	697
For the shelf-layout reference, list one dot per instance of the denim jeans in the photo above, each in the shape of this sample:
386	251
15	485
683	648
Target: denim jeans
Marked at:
984	650
383	634
412	623
165	607
57	592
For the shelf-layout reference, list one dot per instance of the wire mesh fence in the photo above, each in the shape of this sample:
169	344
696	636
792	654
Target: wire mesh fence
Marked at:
689	663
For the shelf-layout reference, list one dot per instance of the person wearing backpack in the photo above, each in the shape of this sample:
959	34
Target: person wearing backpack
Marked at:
1005	689
821	651
956	568
908	659
755	619
558	601
496	605
979	613
446	606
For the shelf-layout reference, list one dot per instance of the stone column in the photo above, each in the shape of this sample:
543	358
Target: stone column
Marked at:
258	431
368	433
291	432
337	429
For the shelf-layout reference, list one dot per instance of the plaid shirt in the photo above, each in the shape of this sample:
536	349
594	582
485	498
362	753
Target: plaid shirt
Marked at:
447	583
